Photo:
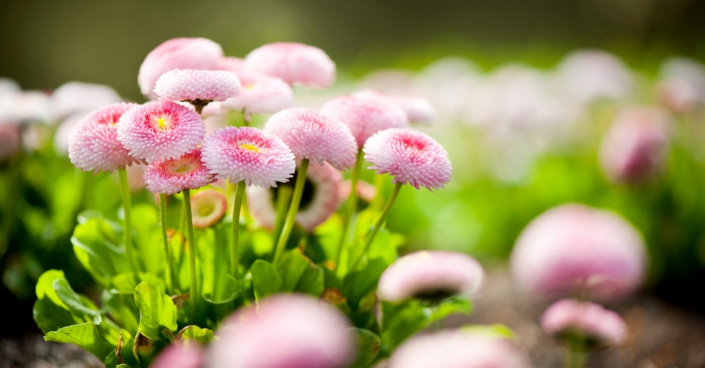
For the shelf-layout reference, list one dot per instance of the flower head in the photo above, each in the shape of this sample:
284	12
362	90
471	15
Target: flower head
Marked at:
209	206
229	63
73	97
94	144
314	136
249	155
293	63
177	53
261	94
179	356
411	157
197	86
458	349
320	198
284	331
174	175
682	86
160	130
430	275
635	147
573	248
417	109
365	115
599	325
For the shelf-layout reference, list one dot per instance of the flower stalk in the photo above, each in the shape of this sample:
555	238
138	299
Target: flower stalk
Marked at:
293	209
237	205
127	224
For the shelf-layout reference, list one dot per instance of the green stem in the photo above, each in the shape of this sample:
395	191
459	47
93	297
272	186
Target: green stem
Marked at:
127	227
191	250
350	205
239	194
378	224
284	193
167	249
576	355
293	209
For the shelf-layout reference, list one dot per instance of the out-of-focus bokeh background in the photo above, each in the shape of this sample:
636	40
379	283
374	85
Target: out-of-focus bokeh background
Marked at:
538	102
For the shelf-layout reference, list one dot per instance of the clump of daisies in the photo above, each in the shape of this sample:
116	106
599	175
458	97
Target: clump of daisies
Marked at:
264	244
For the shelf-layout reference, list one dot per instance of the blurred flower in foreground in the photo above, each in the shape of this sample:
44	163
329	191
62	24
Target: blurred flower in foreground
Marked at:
313	136
284	331
176	356
432	275
209	206
458	349
411	157
160	130
93	145
682	85
572	249
199	87
319	202
635	147
177	53
293	63
601	327
174	175
365	115
249	155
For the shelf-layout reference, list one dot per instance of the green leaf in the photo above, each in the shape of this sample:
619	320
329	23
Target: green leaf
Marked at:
449	306
265	278
78	305
368	345
360	283
311	281
194	335
86	335
98	247
121	308
157	311
291	267
125	350
401	321
50	317
45	286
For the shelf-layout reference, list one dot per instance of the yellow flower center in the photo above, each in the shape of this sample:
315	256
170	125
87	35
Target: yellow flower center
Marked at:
205	210
249	147
161	123
182	168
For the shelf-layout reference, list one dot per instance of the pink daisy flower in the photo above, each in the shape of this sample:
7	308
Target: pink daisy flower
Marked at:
266	335
430	275
314	136
635	148
411	157
458	349
599	325
229	63
174	175
574	248
249	155
199	87
417	109
94	144
365	115
261	94
319	202
160	130
293	63
179	356
208	207
177	53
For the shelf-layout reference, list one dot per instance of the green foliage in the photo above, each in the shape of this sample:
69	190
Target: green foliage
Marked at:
157	311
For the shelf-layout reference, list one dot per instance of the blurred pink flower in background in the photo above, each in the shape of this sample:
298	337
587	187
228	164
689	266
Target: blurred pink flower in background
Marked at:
9	140
431	275
294	63
636	146
573	249
197	86
365	191
458	349
411	157
596	323
365	115
587	75
230	63
261	94
174	175
27	107
177	53
319	203
249	155
682	85
314	136
76	97
160	130
284	331
177	356
93	145
209	207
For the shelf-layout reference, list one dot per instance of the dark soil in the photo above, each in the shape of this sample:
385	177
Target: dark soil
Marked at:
661	335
